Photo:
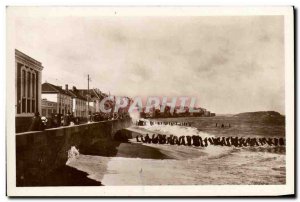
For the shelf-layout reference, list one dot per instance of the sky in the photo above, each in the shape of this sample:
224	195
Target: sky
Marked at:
230	64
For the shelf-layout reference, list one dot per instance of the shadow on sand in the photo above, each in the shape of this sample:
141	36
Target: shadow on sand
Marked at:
67	176
107	147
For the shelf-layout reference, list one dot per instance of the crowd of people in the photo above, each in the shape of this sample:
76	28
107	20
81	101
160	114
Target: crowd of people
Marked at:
198	141
143	123
40	123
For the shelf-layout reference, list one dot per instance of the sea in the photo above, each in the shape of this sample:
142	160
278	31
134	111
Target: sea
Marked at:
139	163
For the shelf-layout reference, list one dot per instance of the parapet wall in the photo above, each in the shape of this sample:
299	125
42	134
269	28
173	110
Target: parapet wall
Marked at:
40	152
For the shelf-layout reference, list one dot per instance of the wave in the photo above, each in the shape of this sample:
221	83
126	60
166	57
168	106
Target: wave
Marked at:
175	130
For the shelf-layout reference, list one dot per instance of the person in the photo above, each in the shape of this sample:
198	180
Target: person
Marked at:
147	138
137	138
36	123
44	121
59	119
154	139
216	124
77	120
67	119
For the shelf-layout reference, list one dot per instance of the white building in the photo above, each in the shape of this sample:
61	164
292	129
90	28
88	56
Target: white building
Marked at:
62	97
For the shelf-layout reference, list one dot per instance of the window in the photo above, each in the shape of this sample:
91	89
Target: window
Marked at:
23	91
43	112
23	77
33	86
33	93
28	90
49	112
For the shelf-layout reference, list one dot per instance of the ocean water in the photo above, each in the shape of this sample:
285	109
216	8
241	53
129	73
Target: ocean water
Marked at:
188	165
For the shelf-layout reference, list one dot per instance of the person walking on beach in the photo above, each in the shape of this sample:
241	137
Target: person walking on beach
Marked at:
137	138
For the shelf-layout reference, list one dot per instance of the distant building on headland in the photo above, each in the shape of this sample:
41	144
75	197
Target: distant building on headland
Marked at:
28	73
156	113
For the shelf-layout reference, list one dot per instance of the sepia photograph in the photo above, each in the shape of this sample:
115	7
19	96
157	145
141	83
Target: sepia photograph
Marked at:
150	101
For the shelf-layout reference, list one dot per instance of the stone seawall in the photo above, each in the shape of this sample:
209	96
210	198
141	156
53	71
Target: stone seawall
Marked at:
38	153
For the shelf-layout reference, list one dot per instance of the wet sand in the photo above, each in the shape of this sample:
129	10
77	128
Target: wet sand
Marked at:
130	150
94	167
183	166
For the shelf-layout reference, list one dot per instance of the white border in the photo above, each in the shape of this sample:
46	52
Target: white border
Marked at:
201	190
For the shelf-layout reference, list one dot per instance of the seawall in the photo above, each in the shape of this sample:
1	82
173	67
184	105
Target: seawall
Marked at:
38	153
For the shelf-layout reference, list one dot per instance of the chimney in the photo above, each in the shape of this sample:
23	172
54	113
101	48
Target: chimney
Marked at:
66	86
74	88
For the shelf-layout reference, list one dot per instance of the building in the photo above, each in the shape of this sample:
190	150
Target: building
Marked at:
94	97
61	96
206	113
28	74
79	103
48	107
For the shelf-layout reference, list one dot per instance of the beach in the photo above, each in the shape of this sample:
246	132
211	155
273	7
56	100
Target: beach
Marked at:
137	163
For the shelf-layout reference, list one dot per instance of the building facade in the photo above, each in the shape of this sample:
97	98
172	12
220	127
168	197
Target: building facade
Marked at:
94	97
79	103
61	96
48	108
28	74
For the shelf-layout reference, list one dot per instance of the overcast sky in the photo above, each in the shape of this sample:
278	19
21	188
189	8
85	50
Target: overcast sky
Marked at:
231	64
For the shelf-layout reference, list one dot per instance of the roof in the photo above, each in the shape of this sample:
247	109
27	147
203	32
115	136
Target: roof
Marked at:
77	94
52	89
27	60
95	94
